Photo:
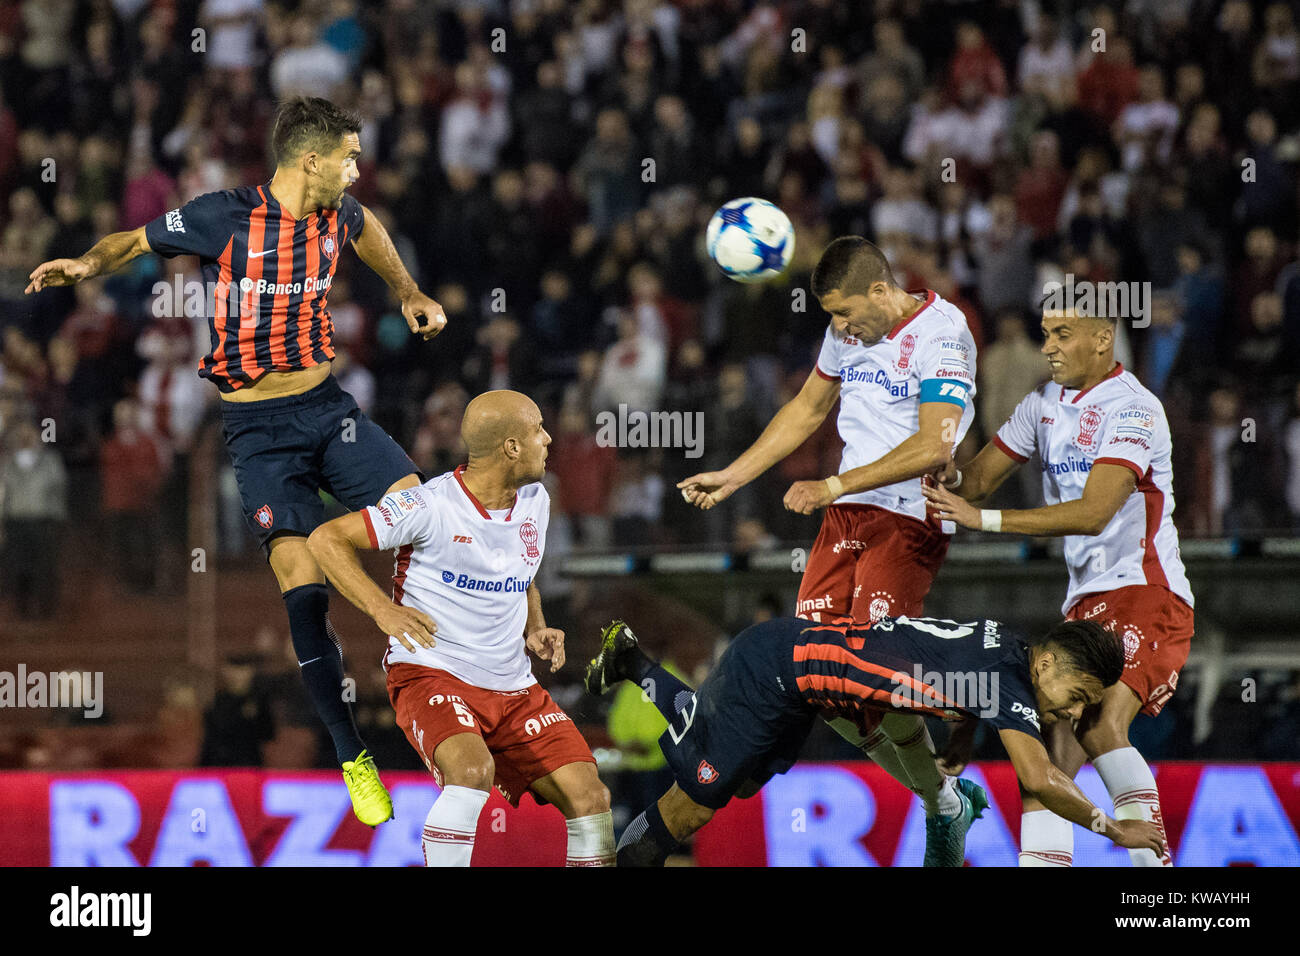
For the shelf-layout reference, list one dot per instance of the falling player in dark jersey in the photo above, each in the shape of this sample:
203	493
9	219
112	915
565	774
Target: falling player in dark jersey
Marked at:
753	712
269	253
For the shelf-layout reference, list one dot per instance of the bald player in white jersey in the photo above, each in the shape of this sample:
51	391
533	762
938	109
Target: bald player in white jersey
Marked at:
903	369
463	609
1107	479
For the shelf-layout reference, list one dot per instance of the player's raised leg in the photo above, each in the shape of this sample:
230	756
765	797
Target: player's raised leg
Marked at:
951	805
577	791
320	661
621	658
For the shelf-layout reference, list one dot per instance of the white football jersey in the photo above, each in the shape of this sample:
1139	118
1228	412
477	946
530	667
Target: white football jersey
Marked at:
467	568
927	358
1117	422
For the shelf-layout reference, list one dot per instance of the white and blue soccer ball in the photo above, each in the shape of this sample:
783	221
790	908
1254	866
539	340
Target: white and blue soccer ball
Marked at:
750	239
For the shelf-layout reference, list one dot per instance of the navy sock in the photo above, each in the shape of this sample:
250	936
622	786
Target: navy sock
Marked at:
666	692
320	659
646	841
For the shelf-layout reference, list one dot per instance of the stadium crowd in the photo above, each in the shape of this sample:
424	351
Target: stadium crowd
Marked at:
547	168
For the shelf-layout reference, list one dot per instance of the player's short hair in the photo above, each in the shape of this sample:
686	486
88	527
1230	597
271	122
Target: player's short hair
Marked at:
1083	312
850	264
1088	647
310	122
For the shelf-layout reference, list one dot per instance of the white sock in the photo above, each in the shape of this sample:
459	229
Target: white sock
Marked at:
1046	839
876	746
915	749
591	840
1132	788
449	828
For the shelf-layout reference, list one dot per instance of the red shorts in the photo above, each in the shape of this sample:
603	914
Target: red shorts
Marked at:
868	563
1156	626
525	730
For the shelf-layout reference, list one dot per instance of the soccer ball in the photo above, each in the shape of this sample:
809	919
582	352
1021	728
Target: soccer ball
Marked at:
750	239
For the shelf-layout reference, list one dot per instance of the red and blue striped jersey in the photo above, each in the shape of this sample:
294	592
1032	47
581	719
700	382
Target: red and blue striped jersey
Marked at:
271	275
944	668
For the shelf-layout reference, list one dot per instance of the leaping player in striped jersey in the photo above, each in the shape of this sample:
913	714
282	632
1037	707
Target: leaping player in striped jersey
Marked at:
467	545
1108	482
269	253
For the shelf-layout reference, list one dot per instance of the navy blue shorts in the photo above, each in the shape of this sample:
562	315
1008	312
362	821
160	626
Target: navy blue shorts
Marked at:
746	721
285	450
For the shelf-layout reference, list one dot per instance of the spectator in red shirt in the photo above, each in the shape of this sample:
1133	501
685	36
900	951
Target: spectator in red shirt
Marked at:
584	470
1041	187
1110	83
658	313
131	475
975	62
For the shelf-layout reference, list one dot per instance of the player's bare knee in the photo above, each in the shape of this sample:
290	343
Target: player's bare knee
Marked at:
695	816
1105	735
589	801
293	564
476	774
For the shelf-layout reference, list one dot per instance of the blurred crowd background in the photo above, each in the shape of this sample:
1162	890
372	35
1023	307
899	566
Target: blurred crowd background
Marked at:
506	148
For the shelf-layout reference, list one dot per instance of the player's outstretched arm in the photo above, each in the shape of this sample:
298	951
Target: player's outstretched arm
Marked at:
982	475
546	642
108	255
1107	489
334	545
788	429
1058	793
376	249
924	452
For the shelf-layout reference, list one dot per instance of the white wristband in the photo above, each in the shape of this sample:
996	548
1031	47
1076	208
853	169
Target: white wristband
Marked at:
835	485
990	520
957	483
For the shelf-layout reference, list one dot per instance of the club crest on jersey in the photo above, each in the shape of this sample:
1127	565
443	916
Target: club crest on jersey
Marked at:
264	516
328	246
880	604
706	773
1132	642
905	349
1089	422
528	535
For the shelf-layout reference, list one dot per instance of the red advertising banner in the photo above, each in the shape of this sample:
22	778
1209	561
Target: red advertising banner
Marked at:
848	814
854	814
243	818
